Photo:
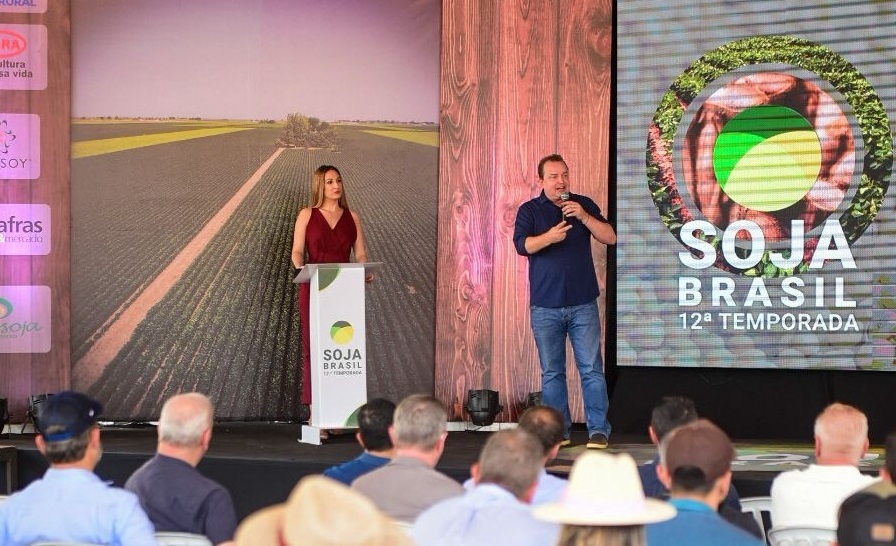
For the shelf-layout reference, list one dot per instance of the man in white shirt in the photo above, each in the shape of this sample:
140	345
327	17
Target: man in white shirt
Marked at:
812	496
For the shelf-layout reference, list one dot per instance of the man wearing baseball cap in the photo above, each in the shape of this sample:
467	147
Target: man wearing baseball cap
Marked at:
695	465
868	517
70	502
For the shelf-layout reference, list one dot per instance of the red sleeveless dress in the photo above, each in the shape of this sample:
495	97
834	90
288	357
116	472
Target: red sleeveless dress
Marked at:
322	245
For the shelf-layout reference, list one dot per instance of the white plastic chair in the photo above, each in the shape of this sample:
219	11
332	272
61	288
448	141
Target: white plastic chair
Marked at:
801	536
174	538
757	506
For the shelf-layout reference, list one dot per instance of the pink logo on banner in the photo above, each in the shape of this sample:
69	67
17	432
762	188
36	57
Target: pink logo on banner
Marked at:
25	321
19	146
11	43
23	6
24	230
23	57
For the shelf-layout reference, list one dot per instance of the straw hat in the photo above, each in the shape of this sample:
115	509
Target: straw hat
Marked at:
321	512
605	490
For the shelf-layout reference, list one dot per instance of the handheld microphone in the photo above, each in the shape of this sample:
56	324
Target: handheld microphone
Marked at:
564	197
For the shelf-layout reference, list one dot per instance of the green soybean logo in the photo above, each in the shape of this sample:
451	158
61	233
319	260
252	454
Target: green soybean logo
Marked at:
5	308
341	332
769	149
765	139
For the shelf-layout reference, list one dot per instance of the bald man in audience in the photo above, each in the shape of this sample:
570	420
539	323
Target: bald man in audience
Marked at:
410	483
172	491
812	496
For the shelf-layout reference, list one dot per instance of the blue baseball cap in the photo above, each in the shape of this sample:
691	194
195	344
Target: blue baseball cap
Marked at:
66	415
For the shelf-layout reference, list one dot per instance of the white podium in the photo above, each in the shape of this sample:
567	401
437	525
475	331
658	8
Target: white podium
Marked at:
338	345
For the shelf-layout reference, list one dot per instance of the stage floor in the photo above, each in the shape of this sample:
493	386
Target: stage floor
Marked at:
260	462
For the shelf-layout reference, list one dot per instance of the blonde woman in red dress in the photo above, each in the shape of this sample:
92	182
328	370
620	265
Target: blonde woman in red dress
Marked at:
325	232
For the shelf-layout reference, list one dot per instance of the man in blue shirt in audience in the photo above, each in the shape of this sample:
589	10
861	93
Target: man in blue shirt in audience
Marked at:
70	503
695	465
668	414
496	510
546	425
374	420
175	495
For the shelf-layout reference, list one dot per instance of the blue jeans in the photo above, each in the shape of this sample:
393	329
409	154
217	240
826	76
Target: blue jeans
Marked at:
581	323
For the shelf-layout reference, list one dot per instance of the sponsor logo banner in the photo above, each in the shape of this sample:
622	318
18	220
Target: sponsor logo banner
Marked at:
23	57
24	230
25	319
23	6
19	146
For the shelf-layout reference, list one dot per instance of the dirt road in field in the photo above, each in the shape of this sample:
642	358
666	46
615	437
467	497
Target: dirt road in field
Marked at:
121	326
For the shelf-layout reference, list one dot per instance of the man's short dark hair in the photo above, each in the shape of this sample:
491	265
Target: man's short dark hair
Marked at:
549	159
374	420
891	455
545	423
670	413
71	450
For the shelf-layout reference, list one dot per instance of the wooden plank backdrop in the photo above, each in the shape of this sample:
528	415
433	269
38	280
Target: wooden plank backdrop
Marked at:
22	375
520	80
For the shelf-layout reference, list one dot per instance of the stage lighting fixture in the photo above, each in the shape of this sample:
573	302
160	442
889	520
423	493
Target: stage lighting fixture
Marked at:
483	406
534	399
35	401
4	416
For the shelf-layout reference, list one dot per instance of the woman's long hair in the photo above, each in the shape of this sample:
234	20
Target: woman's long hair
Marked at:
586	535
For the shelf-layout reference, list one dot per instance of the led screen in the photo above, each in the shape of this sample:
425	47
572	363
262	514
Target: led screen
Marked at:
755	151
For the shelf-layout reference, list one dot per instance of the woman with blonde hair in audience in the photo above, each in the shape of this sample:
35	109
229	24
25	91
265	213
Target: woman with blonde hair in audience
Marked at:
604	504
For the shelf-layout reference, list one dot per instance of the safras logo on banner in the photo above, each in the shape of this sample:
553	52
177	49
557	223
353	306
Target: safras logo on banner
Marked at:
760	178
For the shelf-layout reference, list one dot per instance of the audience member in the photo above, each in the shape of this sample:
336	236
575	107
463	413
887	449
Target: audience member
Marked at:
175	495
374	420
812	496
70	502
546	424
695	465
868	517
669	413
321	512
409	484
505	478
604	504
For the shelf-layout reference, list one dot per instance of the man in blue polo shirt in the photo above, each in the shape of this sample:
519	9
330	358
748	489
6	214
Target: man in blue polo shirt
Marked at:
374	420
695	465
70	503
554	232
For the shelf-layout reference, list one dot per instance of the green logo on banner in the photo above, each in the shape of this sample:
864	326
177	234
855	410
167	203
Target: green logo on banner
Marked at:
342	332
762	140
326	276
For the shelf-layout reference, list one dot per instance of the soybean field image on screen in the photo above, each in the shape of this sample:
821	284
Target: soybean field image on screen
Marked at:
186	183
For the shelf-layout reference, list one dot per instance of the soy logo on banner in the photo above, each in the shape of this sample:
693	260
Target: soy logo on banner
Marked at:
23	57
752	158
25	319
19	146
23	6
24	229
